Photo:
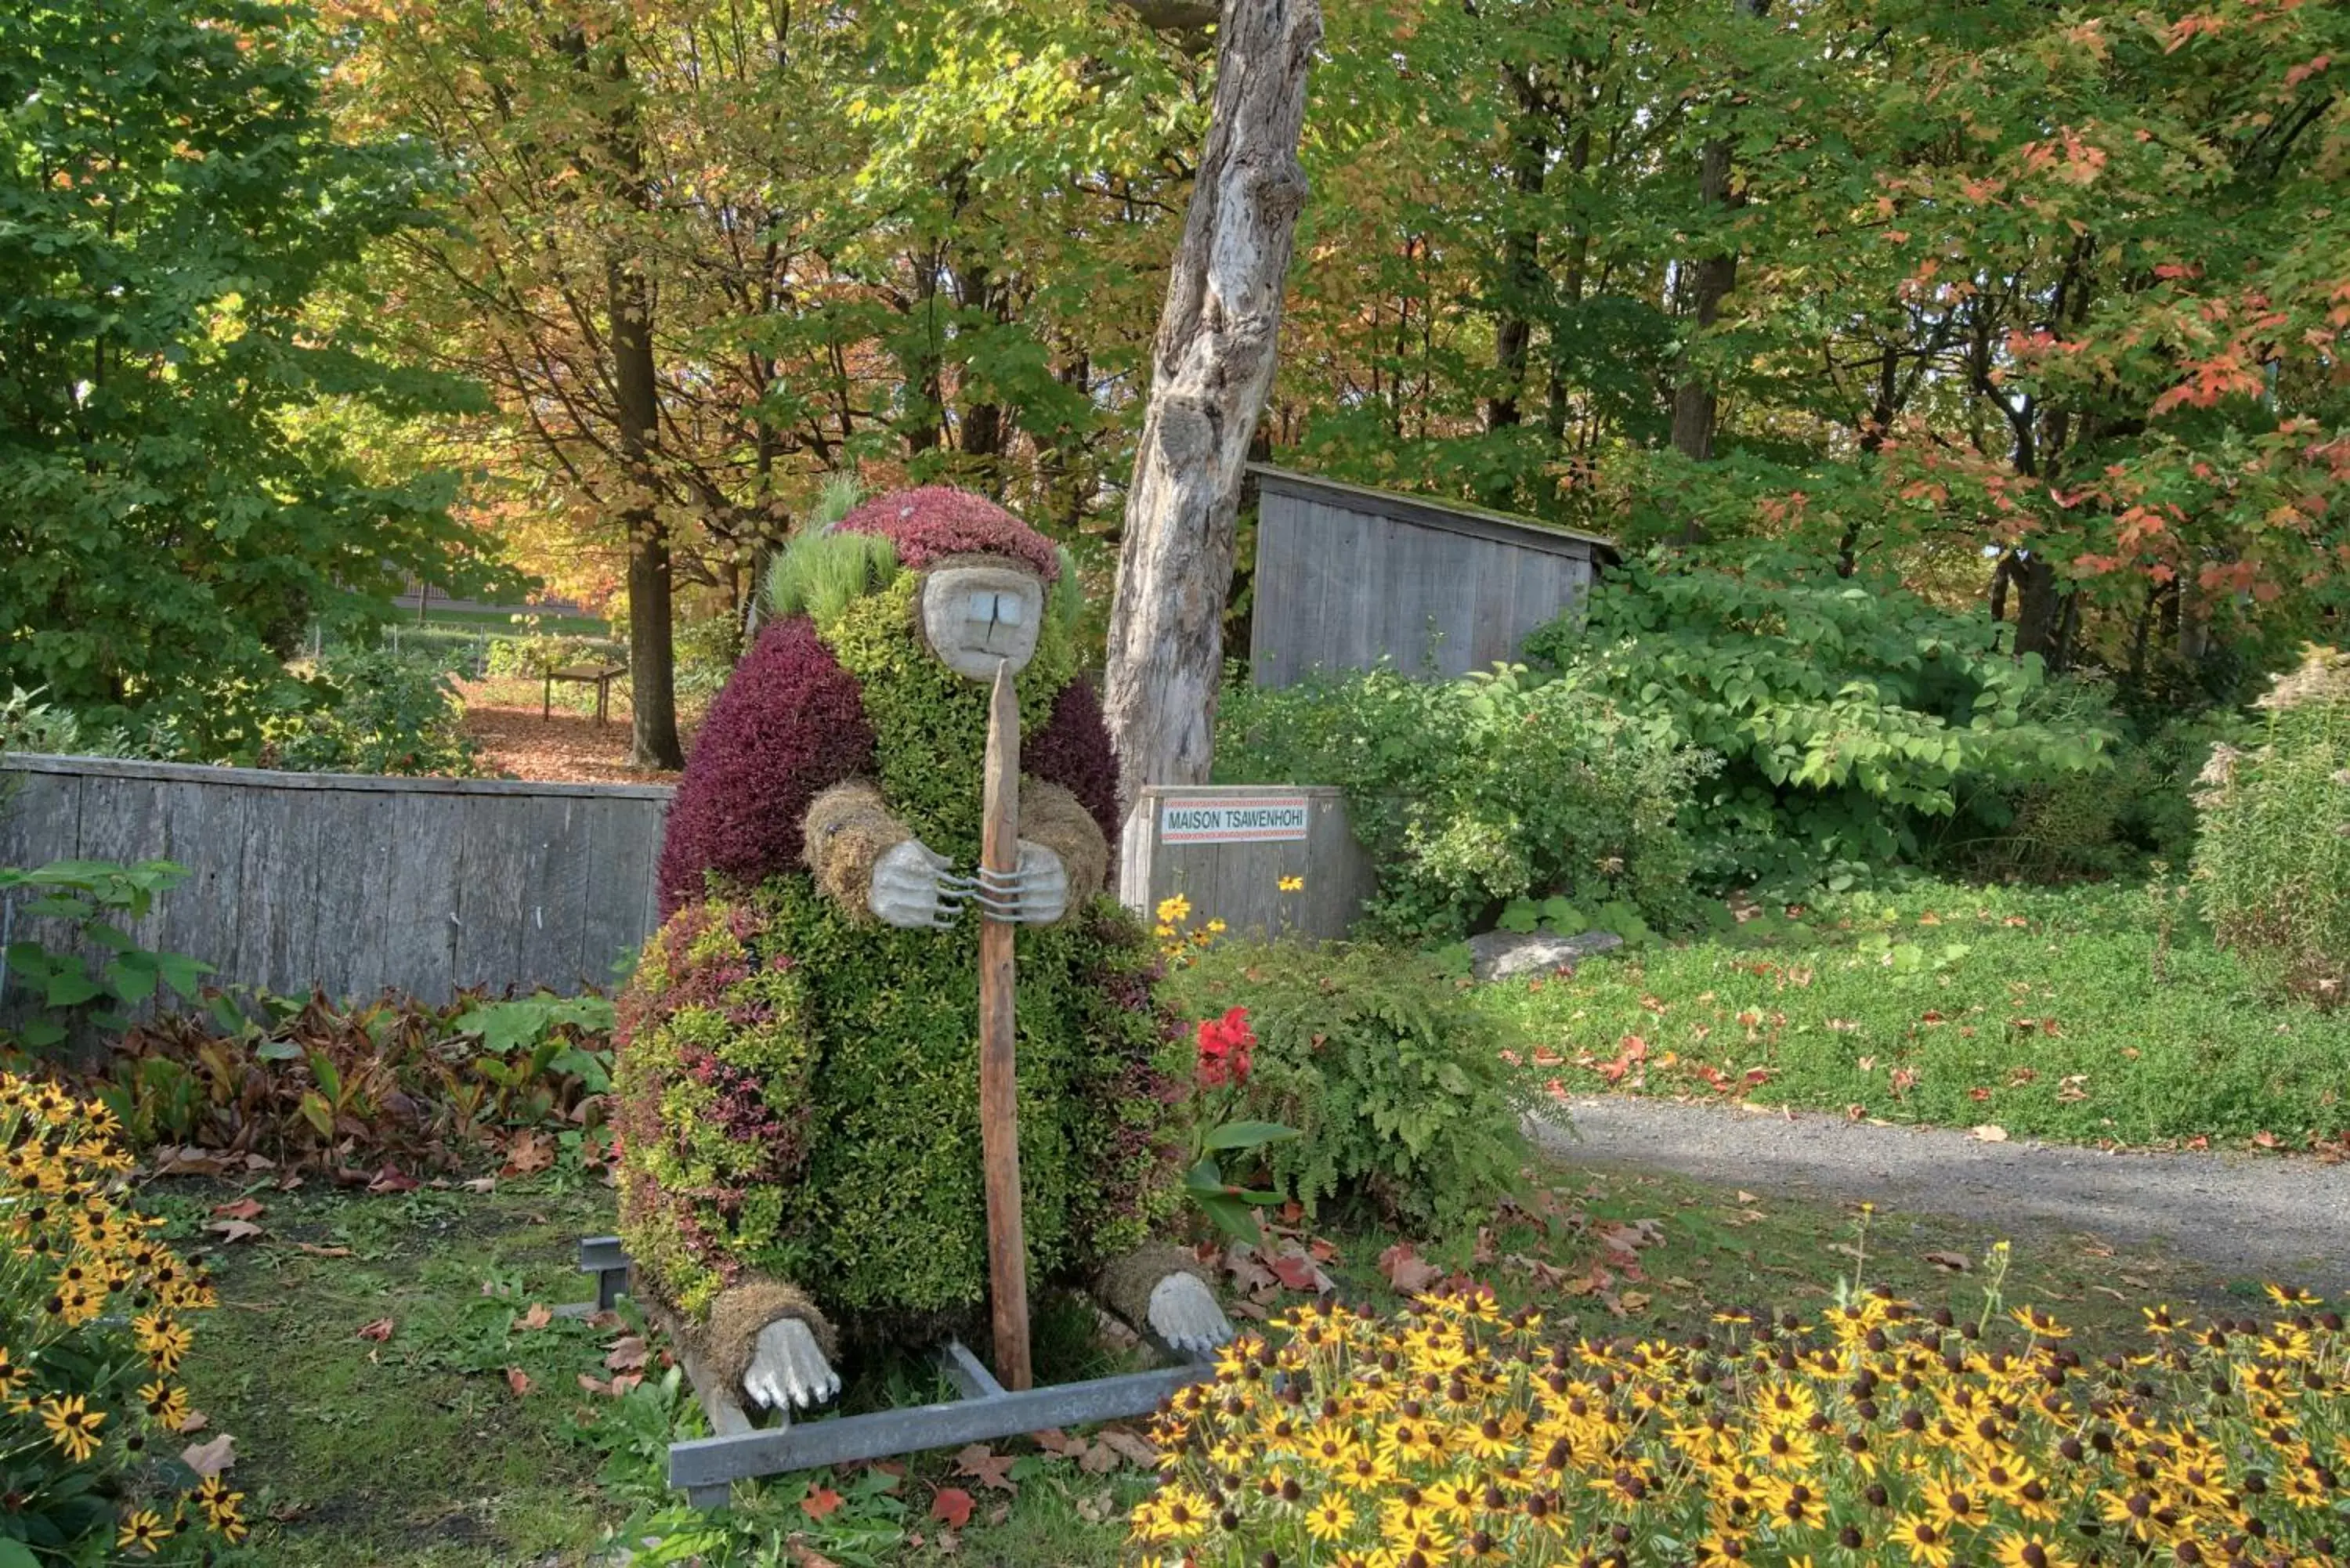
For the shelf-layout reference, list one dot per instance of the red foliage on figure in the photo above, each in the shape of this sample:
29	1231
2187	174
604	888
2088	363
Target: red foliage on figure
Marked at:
1072	751
1224	1045
789	724
938	520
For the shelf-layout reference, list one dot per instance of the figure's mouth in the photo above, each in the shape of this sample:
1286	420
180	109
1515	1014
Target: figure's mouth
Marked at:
995	621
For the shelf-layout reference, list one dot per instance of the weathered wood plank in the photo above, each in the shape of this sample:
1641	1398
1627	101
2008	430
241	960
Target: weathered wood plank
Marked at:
40	819
554	914
207	830
493	858
419	898
278	945
124	820
623	840
352	916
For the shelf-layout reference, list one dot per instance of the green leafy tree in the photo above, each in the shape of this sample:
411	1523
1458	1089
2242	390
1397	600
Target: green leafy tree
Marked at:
175	507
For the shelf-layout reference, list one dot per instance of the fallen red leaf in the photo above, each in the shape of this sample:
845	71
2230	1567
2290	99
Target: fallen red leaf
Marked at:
243	1208
820	1502
951	1507
1406	1271
379	1330
518	1380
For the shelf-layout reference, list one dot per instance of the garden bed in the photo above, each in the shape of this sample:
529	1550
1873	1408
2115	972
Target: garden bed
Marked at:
402	1394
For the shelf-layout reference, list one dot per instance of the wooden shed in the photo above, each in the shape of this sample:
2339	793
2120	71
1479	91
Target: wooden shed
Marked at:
1347	575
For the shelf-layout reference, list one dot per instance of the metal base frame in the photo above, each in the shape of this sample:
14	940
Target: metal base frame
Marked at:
983	1410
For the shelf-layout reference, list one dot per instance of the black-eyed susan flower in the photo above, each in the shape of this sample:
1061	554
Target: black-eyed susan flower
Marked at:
73	1426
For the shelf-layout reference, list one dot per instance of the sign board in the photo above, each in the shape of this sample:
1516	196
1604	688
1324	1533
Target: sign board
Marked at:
1233	819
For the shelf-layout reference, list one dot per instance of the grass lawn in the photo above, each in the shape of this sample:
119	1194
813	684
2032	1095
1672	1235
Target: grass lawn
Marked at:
2062	1016
458	1430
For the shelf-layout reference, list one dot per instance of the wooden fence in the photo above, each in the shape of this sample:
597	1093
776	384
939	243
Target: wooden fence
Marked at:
355	885
1228	848
1347	575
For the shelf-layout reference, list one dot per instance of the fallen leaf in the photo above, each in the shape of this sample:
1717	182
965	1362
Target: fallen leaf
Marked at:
1099	1459
243	1208
317	1252
194	1421
391	1178
1248	1271
2264	1139
189	1161
1059	1444
1098	1509
628	1353
951	1507
1955	1261
537	1317
820	1502
518	1380
985	1466
379	1330
210	1458
234	1230
1297	1272
1904	1080
1633	1301
1406	1271
1130	1444
806	1556
1991	1132
1746	1197
526	1153
482	1184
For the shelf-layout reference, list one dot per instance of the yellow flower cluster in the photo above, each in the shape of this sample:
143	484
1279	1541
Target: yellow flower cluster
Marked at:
1878	1434
76	1271
1177	944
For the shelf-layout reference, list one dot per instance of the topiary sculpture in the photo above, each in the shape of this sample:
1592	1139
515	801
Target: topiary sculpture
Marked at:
798	1067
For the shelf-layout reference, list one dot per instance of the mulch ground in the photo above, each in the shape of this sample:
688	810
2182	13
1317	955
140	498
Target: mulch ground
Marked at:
565	747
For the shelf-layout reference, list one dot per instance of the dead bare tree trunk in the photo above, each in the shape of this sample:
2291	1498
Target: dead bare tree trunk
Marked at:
1211	368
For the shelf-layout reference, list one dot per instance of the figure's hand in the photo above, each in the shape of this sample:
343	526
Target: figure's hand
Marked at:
1036	894
912	889
787	1368
1184	1313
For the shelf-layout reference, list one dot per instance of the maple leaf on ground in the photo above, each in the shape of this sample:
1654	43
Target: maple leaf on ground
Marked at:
1954	1262
209	1459
537	1317
628	1353
379	1330
951	1507
518	1380
528	1152
1241	1261
805	1556
1059	1444
234	1230
1132	1445
1296	1271
1406	1271
820	1502
984	1465
391	1178
243	1208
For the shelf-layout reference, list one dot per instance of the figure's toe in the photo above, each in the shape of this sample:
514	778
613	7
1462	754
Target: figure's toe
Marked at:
1184	1313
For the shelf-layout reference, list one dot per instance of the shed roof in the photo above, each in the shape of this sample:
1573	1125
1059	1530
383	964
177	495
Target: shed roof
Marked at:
1455	517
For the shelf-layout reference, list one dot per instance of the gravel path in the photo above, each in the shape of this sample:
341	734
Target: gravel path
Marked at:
2272	1216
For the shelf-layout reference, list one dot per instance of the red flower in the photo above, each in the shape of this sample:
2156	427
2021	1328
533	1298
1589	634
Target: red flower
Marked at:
1224	1045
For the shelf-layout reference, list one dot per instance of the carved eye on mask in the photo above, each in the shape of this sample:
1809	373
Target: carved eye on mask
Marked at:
981	615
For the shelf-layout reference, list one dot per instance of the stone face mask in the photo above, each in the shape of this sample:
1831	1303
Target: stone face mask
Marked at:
979	615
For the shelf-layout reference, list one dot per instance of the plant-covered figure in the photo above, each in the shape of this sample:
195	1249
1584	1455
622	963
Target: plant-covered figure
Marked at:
799	1063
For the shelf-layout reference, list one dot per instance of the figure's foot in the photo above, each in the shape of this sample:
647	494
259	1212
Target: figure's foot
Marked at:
788	1369
1184	1313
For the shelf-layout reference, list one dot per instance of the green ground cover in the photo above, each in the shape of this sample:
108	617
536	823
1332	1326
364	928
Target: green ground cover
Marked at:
2097	1015
458	1429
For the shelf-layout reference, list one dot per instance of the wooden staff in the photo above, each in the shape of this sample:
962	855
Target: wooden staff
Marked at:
999	1110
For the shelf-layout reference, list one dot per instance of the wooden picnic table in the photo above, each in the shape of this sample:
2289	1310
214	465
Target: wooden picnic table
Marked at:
599	676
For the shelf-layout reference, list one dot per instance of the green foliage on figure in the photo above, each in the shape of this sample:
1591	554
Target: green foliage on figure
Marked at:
801	1088
930	724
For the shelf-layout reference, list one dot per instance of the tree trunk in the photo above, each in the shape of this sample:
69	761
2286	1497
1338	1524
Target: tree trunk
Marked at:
2039	609
1212	366
1713	279
1521	275
653	663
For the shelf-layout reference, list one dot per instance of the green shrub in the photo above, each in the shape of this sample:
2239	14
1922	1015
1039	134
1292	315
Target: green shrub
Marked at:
1390	1074
1849	713
1470	794
533	654
2273	861
381	713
